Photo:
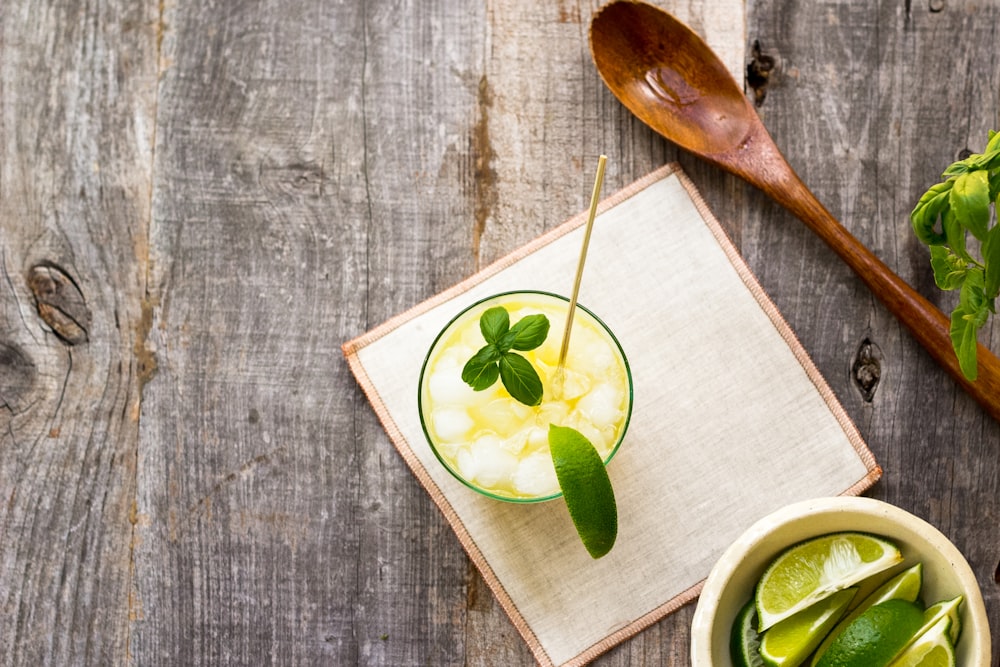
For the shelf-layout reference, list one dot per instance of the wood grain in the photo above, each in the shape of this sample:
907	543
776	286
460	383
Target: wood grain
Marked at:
78	98
206	199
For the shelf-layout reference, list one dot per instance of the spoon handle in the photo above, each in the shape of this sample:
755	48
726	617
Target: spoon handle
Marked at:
928	325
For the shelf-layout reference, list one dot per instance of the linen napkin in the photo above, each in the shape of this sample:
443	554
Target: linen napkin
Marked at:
731	420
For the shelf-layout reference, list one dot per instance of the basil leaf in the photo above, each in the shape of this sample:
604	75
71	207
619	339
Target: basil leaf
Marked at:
993	141
991	258
520	379
960	167
925	214
970	200
494	323
963	339
949	270
480	372
954	234
528	333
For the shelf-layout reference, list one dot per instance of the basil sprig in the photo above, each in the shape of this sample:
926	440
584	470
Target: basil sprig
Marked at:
497	358
943	219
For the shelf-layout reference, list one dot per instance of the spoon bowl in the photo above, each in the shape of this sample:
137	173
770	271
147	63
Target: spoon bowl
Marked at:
670	67
672	80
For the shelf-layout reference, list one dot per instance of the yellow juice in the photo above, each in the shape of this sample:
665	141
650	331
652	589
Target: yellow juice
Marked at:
499	446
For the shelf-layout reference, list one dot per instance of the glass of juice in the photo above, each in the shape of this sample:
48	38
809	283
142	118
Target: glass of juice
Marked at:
497	445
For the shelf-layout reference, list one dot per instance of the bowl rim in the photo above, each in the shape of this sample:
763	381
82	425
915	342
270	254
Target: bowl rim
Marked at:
703	624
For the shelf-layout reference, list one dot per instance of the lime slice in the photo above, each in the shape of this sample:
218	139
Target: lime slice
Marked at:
586	488
951	609
810	571
904	586
789	642
934	648
744	642
875	637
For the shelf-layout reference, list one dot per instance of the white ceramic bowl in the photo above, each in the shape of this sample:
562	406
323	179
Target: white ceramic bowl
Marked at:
731	582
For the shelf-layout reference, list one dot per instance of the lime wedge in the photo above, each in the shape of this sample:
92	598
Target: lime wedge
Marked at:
951	609
875	637
946	609
904	586
586	488
789	642
933	648
744	642
813	570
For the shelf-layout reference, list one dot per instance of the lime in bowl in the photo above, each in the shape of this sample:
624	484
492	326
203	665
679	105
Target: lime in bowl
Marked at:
494	437
873	564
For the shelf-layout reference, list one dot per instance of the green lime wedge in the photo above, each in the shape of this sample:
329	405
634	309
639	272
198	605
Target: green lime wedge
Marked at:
875	637
934	648
586	489
904	586
789	642
744	642
813	570
950	608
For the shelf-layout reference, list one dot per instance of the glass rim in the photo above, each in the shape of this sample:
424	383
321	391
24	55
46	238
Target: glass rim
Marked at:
430	351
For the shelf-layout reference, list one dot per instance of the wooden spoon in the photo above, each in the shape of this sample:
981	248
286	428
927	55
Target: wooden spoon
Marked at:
672	81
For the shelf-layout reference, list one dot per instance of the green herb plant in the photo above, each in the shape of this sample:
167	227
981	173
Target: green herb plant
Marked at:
498	358
964	205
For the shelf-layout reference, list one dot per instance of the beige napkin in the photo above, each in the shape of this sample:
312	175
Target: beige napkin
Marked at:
731	420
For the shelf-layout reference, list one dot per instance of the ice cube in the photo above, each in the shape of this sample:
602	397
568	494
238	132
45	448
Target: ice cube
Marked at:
570	385
538	439
446	387
493	464
597	437
451	423
516	442
536	476
602	405
467	464
504	415
552	412
453	356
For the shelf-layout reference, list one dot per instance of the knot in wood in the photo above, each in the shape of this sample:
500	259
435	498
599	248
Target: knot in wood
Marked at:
17	376
60	303
866	371
759	71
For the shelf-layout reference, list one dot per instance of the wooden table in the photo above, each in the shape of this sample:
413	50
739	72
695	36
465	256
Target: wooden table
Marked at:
200	201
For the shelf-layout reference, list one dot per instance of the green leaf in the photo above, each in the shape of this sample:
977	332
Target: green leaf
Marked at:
993	142
954	234
991	258
480	372
967	319
960	167
995	184
528	333
973	296
925	214
520	379
494	323
949	270
963	339
970	200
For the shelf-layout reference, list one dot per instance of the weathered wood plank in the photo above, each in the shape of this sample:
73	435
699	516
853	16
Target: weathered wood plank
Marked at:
77	98
870	103
309	174
188	473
